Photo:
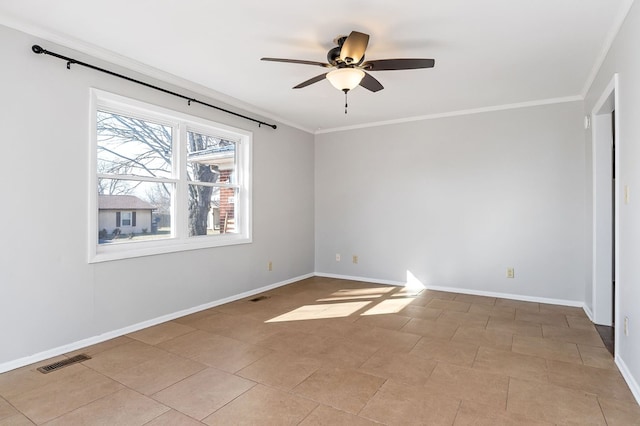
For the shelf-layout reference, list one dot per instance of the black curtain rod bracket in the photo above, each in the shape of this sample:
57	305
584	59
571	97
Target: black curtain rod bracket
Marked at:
39	50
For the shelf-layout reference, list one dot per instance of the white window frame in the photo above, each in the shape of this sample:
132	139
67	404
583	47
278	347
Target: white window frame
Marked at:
181	123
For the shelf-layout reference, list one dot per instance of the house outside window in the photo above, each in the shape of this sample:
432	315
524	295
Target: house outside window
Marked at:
162	181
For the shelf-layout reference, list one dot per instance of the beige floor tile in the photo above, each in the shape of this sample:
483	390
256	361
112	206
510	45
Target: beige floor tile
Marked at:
241	328
602	382
479	300
401	367
579	322
620	413
570	311
347	390
101	347
597	357
493	311
173	418
63	395
291	340
27	378
265	406
282	370
203	393
546	348
6	409
401	404
120	408
16	420
390	321
430	328
479	336
557	320
519	304
411	358
421	312
191	318
329	416
327	327
553	403
158	373
469	385
449	305
339	351
522	328
469	319
123	357
511	364
436	294
474	414
444	351
389	340
573	335
214	350
161	332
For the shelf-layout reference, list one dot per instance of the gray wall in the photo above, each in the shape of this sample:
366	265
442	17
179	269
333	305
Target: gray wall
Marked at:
456	201
624	59
50	296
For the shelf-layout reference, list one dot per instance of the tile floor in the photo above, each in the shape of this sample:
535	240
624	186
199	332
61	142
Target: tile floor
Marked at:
336	352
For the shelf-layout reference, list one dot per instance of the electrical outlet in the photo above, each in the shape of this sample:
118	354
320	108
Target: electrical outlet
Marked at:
511	273
355	259
270	266
337	257
626	326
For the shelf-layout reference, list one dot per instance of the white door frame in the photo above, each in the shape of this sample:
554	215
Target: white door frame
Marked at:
603	234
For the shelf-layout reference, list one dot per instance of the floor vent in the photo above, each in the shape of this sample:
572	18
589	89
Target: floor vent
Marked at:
259	298
61	364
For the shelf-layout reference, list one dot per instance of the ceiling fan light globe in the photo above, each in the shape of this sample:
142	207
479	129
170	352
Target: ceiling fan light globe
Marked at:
345	78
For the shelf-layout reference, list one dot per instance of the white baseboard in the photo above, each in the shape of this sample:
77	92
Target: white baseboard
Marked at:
524	298
363	279
628	377
589	313
60	350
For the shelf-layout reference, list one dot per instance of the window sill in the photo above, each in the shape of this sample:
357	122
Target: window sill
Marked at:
139	249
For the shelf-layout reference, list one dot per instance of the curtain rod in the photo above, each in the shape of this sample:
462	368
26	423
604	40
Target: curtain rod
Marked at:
39	50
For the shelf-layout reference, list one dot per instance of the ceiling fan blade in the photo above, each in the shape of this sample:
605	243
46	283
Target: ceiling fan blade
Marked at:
298	61
353	48
397	64
370	83
315	79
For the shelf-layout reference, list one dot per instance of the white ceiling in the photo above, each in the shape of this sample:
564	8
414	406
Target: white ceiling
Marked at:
488	52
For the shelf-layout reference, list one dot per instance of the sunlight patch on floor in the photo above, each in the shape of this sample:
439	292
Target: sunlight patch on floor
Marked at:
321	311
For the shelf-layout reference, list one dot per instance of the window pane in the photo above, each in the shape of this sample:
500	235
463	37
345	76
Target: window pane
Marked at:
212	210
133	211
133	146
210	159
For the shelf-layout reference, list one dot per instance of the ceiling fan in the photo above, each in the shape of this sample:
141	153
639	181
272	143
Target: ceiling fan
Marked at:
350	67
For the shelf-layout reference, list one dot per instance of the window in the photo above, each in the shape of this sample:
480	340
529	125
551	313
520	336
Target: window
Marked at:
164	181
125	219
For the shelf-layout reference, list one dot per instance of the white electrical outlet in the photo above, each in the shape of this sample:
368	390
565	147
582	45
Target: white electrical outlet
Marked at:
355	259
511	273
337	257
270	266
626	326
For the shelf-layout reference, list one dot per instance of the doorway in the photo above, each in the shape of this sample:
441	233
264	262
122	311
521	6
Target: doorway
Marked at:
605	203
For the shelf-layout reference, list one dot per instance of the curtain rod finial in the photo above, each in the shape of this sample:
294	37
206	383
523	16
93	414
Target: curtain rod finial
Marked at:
37	49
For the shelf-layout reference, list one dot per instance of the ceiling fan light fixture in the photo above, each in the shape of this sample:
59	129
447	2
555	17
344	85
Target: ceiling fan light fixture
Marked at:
345	79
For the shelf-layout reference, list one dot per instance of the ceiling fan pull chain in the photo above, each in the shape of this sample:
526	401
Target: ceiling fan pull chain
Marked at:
345	101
